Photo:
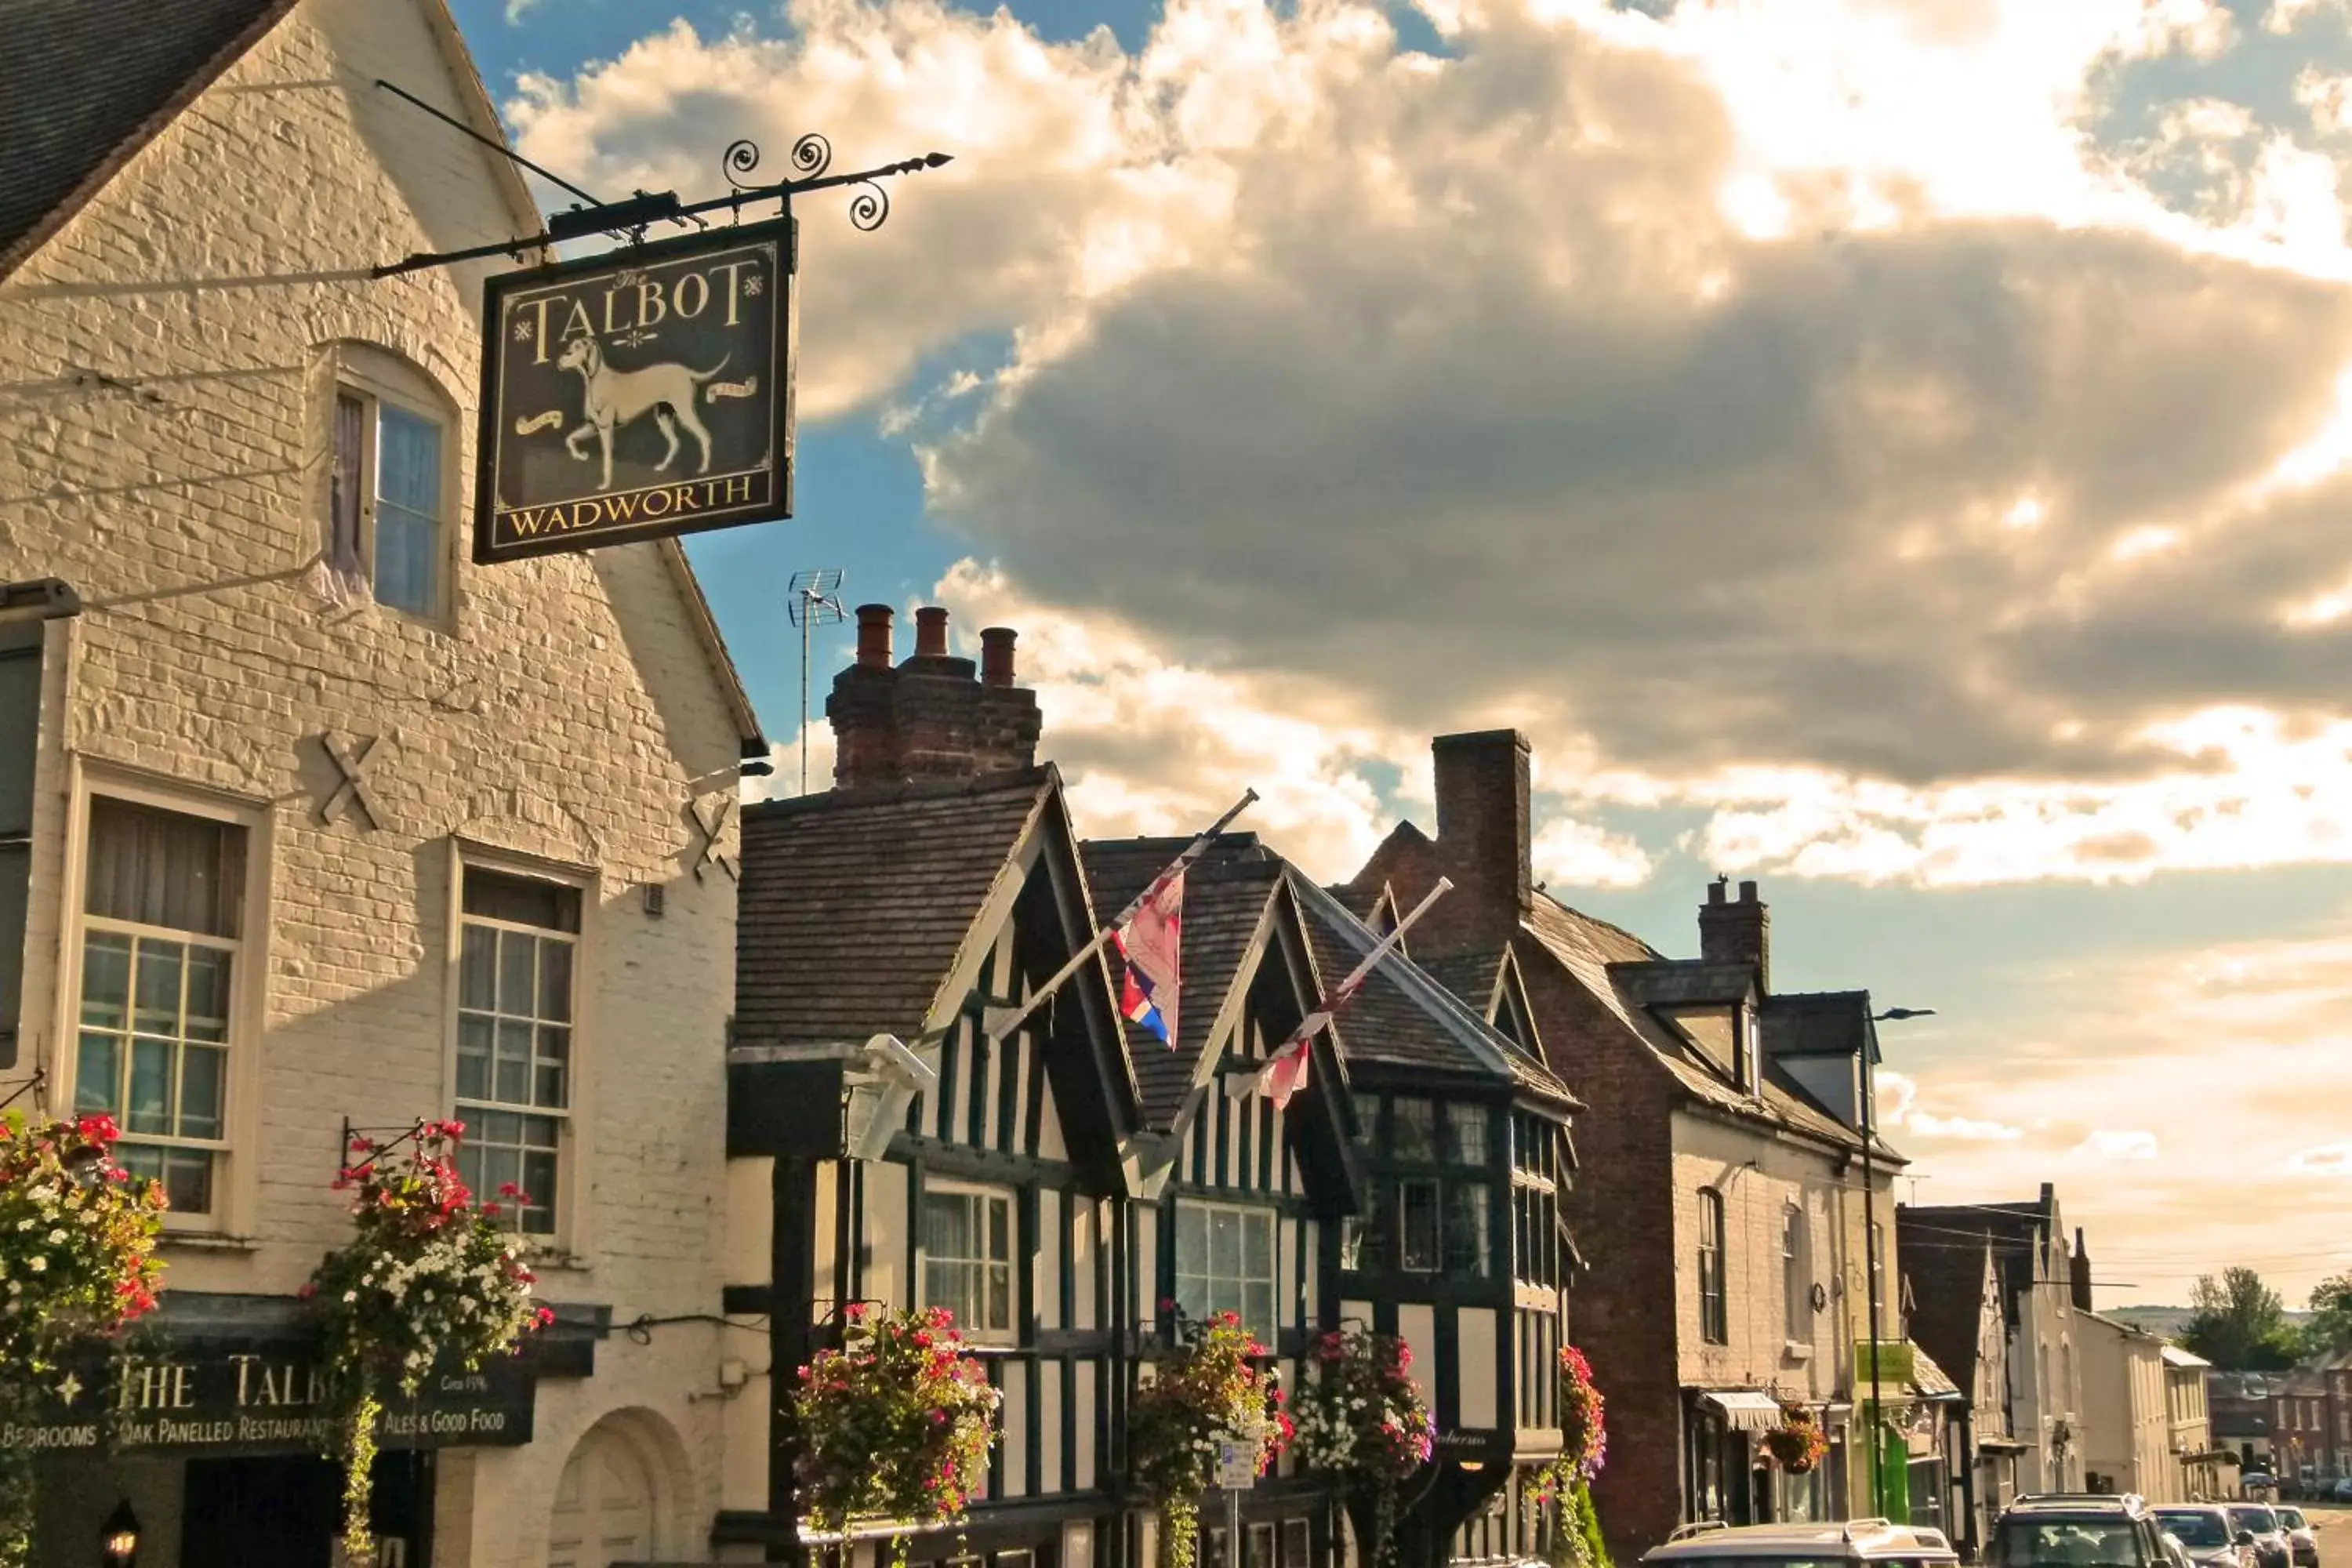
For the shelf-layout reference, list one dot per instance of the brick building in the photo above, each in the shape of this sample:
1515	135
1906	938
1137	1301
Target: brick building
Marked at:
1720	1196
305	819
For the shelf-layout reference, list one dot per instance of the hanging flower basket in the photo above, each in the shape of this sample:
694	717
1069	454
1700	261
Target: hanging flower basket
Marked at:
895	1424
76	1263
1206	1388
1584	1433
1362	1417
1798	1443
432	1277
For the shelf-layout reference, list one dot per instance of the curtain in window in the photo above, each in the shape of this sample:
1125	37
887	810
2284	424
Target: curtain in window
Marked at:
161	869
342	575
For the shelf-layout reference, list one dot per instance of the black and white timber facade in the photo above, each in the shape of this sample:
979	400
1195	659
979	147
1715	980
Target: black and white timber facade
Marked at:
1074	1189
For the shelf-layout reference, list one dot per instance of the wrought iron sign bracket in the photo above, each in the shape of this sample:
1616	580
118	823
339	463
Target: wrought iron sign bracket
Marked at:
810	157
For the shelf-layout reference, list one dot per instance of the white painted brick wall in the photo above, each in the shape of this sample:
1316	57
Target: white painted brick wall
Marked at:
568	711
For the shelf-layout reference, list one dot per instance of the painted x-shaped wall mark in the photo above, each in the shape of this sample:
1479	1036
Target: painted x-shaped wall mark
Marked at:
353	755
711	829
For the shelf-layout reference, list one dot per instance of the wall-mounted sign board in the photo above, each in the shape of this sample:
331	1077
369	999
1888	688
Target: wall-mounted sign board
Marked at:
638	393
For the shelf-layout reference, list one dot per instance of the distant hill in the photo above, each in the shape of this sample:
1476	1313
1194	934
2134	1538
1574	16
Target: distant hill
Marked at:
2169	1320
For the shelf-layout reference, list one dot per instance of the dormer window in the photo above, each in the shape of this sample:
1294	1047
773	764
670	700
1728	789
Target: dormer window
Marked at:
1744	1037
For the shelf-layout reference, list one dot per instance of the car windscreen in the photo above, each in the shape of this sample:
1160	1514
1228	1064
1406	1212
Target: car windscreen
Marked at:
2196	1529
2291	1517
2071	1544
2261	1520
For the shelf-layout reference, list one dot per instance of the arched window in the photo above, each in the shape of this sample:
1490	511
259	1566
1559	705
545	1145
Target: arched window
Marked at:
1714	1308
392	489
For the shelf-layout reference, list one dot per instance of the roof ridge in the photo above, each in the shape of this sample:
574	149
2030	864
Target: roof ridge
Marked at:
818	801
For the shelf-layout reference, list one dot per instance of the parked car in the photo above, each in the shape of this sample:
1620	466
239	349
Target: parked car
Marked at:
1858	1541
2209	1535
2262	1521
2301	1535
2343	1491
2076	1530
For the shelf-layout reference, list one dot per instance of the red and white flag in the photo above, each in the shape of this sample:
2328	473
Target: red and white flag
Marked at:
1284	1073
1152	943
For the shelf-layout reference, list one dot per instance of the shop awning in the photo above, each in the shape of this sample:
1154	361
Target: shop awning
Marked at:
2002	1446
1745	1409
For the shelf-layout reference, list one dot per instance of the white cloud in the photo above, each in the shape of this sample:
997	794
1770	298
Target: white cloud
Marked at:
783	780
1570	854
1900	1116
1851	460
2113	1145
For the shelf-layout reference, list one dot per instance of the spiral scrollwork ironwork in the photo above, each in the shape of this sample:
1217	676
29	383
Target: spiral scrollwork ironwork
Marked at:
741	157
811	156
870	208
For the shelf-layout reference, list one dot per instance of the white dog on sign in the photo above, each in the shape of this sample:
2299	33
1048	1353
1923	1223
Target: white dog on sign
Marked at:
615	397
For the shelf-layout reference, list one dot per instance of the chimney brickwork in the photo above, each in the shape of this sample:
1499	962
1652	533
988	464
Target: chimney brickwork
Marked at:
1738	933
1484	834
931	716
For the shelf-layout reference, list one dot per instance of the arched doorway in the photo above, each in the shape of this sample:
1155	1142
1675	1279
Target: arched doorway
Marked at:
605	1507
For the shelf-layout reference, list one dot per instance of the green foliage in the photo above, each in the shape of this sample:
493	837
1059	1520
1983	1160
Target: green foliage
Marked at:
1206	1388
2330	1329
430	1275
2240	1324
898	1422
76	1263
1576	1543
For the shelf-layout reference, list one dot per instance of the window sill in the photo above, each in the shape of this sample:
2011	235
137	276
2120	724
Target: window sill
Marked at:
1795	1350
554	1262
209	1241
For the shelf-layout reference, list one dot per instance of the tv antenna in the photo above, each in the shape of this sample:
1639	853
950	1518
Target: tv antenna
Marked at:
815	601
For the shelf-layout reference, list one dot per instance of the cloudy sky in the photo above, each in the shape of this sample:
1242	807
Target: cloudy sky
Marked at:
1895	449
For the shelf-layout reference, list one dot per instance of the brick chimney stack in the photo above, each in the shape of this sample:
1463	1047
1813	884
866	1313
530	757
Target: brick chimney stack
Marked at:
930	717
1483	829
1736	933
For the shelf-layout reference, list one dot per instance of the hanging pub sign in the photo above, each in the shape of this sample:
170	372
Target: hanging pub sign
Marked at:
638	394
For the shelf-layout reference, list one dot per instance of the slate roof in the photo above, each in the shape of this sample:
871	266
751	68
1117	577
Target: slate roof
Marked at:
1228	893
2012	1230
1947	1282
1472	975
1403	1016
84	84
1680	982
855	904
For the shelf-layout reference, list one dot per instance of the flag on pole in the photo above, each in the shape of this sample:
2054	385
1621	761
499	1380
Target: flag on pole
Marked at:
1284	1073
1151	940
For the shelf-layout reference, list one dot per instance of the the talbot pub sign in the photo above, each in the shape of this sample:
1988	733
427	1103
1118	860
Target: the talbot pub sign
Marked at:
638	393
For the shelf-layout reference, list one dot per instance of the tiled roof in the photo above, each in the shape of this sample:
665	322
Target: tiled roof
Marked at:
1471	975
1927	1375
856	904
1227	895
84	83
1404	1017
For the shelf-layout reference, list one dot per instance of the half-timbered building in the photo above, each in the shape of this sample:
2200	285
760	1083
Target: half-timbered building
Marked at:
940	874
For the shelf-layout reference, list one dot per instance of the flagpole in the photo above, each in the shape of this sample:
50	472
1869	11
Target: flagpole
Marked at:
1329	1006
998	1021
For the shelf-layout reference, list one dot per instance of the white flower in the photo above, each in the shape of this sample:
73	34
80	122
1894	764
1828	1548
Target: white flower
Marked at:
57	1239
351	1297
38	1264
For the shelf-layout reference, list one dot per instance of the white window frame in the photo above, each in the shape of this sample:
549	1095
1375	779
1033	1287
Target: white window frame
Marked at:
1797	1275
378	376
236	1154
1250	1214
573	1236
986	1192
1714	1304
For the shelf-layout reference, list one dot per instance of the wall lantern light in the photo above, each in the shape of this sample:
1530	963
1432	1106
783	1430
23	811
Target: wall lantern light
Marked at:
117	1544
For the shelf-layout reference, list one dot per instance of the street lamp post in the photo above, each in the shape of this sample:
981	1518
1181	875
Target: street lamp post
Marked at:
1870	1240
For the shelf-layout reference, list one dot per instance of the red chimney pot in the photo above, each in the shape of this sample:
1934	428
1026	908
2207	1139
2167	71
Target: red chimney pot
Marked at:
930	632
996	656
873	636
